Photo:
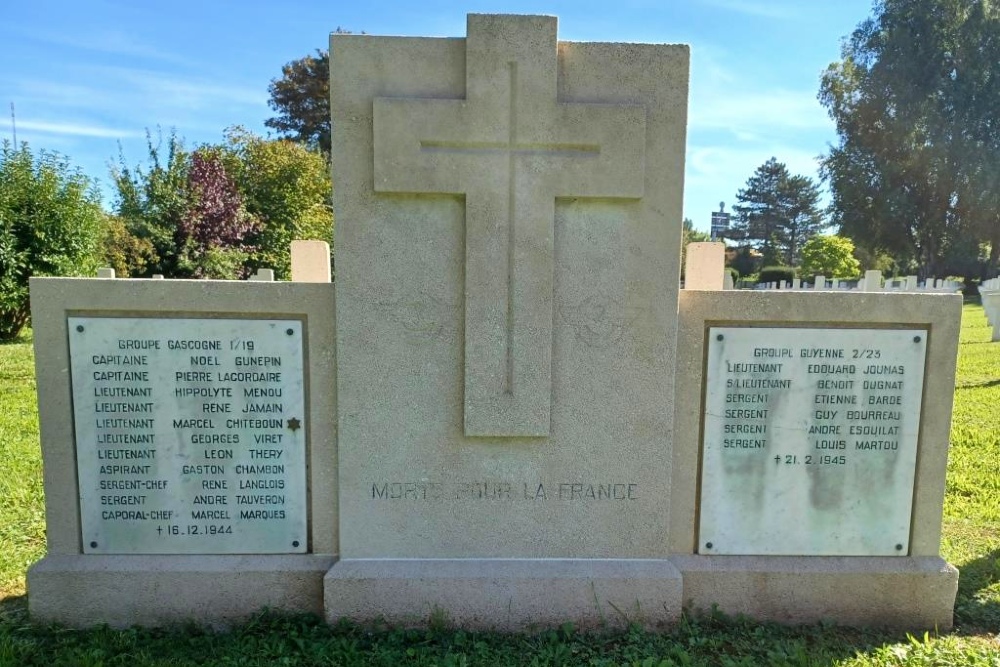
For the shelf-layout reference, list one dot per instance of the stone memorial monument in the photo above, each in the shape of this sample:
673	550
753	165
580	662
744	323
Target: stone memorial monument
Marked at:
504	412
188	447
821	441
507	300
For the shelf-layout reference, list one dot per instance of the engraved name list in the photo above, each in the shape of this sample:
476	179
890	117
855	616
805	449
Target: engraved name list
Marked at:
190	435
810	440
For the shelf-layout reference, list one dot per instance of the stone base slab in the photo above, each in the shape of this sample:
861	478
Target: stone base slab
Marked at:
505	594
899	593
122	591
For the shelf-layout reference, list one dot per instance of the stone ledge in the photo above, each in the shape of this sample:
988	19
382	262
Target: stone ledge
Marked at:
505	594
900	593
85	590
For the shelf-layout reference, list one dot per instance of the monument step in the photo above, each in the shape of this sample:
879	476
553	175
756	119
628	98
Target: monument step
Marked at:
505	594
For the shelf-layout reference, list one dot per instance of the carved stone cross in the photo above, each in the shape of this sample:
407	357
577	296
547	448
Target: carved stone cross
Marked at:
510	148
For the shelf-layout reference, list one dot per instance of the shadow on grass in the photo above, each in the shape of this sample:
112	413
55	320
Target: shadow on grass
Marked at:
26	336
977	607
978	385
14	608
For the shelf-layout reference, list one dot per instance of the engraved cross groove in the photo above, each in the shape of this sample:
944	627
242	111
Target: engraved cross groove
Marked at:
510	148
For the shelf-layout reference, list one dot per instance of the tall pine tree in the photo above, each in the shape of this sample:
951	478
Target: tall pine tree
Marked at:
776	212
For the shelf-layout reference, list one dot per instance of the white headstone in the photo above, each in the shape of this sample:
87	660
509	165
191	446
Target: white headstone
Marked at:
872	282
705	266
310	261
263	275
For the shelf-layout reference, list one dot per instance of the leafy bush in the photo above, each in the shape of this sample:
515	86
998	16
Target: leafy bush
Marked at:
777	274
51	224
287	187
223	211
830	256
746	261
126	253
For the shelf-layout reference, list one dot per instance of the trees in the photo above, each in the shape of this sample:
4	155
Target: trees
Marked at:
152	201
213	231
187	208
830	256
126	253
302	99
777	212
287	188
914	99
51	224
745	261
224	210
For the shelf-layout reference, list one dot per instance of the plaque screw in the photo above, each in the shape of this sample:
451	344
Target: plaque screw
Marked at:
719	337
708	545
899	547
79	327
93	545
295	543
289	332
916	339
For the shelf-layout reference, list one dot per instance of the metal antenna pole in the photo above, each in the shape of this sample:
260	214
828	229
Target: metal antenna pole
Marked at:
13	125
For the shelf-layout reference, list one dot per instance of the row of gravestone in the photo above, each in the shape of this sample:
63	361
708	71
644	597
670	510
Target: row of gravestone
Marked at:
704	259
989	292
503	411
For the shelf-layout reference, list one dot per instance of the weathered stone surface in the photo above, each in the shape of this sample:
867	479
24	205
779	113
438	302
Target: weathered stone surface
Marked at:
914	592
509	594
508	234
898	593
72	587
310	261
124	591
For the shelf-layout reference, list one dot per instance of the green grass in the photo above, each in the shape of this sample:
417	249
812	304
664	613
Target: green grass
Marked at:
971	541
971	535
22	512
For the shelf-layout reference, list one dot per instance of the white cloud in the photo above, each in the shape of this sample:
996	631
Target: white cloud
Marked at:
746	100
749	111
113	42
76	129
181	90
709	164
105	101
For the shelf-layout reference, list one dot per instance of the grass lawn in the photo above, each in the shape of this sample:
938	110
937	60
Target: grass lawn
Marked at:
971	541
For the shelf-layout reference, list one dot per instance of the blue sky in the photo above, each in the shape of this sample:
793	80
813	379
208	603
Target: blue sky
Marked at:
86	77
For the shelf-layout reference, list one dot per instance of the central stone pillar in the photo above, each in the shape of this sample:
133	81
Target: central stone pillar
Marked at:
507	268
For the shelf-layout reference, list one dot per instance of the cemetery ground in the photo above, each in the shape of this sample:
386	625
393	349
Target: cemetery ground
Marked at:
971	541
